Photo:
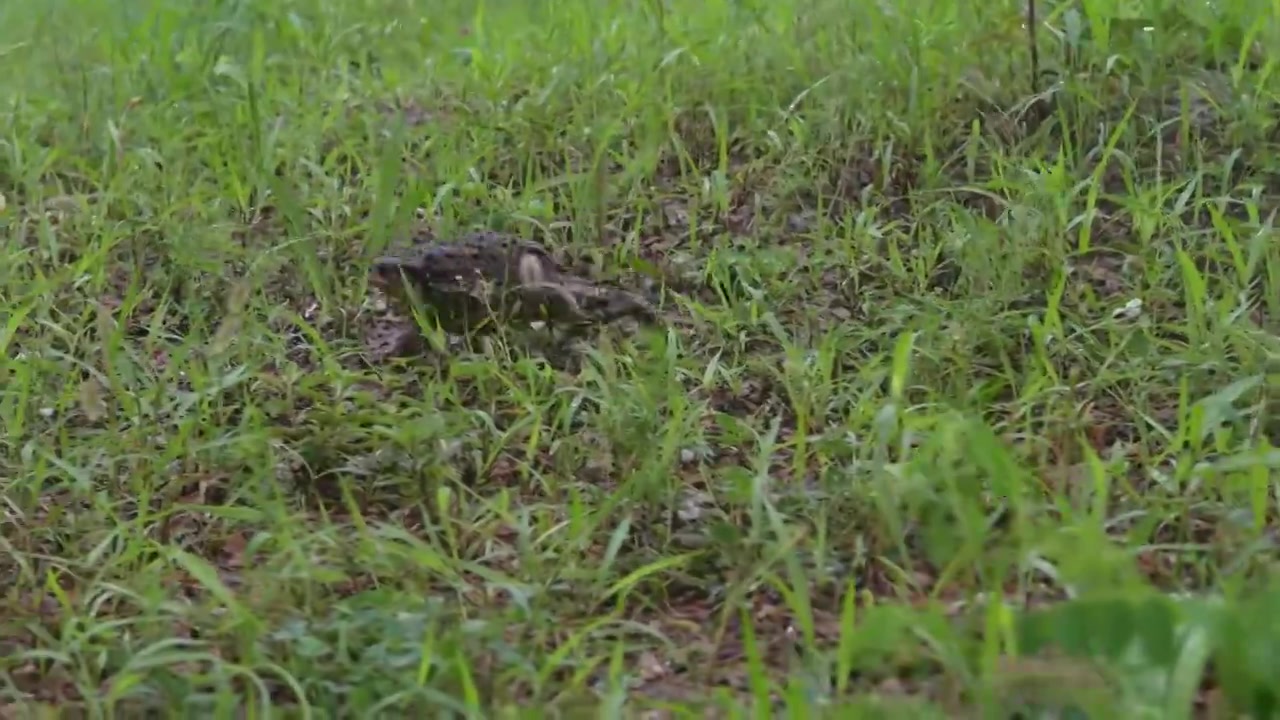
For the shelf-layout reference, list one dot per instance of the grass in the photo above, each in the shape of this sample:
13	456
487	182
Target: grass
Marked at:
962	406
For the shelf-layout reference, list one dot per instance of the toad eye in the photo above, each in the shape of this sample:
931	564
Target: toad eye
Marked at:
387	270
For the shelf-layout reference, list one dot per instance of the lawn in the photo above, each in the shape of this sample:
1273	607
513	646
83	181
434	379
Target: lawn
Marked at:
959	405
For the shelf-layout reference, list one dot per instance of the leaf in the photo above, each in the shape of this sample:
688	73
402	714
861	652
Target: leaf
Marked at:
91	400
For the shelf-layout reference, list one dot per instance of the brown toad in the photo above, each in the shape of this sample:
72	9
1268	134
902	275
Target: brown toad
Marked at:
486	279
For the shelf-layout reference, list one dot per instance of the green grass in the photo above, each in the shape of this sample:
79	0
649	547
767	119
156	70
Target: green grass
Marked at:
956	412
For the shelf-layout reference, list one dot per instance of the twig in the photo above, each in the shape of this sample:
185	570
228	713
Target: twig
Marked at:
1031	41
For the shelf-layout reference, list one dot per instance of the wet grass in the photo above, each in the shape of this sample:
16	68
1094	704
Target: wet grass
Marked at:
961	406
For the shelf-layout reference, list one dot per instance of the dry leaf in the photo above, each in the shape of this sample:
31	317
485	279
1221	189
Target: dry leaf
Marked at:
92	403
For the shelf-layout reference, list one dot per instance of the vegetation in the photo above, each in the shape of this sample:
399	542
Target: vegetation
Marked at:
960	408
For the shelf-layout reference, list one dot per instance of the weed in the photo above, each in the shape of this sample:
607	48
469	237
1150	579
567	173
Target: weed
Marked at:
960	407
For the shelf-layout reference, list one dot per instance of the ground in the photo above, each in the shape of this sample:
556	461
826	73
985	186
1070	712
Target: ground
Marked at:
959	406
